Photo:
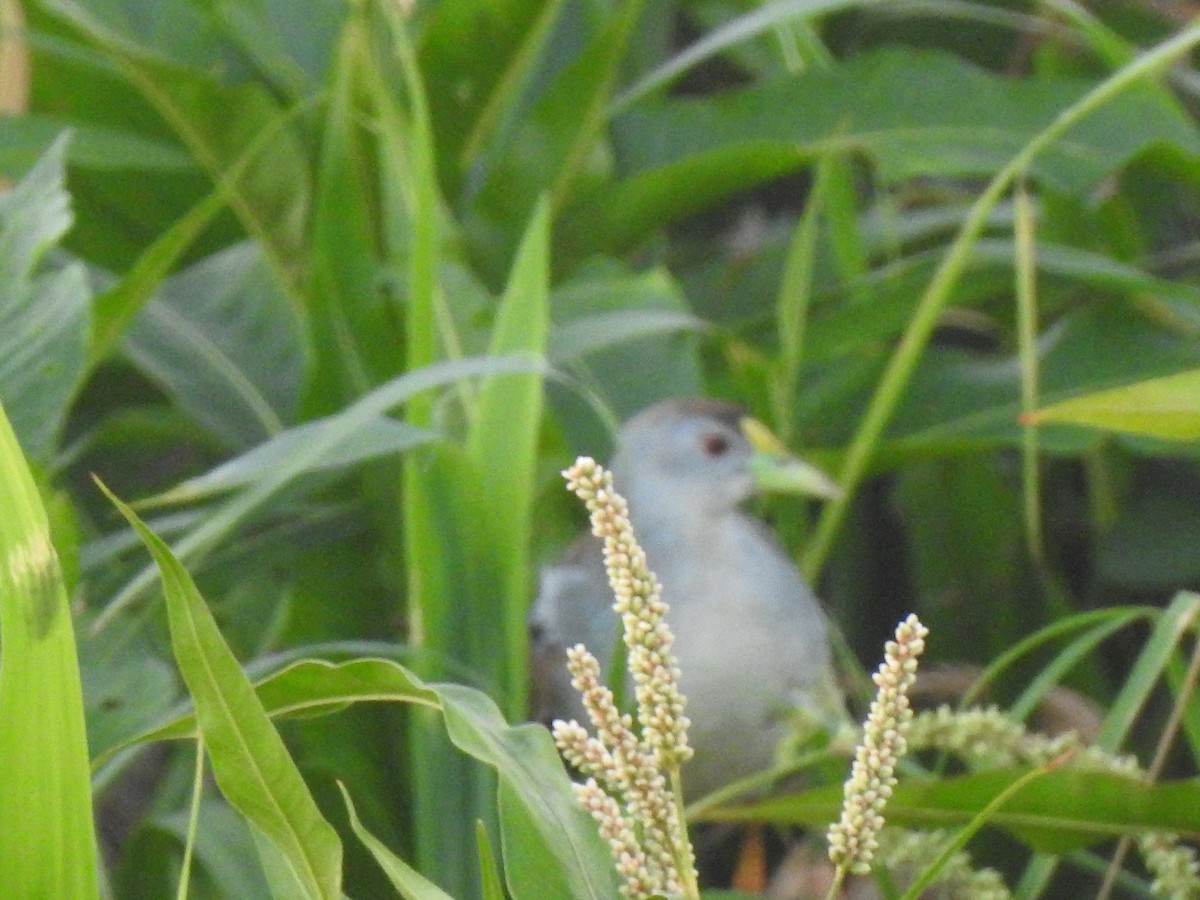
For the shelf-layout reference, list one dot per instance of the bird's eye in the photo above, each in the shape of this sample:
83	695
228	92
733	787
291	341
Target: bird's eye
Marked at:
716	444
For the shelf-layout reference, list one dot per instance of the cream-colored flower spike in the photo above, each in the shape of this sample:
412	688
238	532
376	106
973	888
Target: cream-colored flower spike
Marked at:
632	788
853	839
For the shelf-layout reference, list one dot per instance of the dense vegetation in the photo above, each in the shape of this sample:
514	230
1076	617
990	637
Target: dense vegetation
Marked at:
330	292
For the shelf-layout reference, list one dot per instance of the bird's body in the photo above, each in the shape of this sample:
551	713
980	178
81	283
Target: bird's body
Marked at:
751	638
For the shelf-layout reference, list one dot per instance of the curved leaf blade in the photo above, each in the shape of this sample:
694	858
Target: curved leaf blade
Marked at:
251	764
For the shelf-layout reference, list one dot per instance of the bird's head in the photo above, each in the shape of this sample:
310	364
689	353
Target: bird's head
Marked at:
697	457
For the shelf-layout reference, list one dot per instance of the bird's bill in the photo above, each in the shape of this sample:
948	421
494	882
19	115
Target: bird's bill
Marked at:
776	469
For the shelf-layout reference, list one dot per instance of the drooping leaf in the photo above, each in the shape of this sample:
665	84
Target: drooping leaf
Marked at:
250	762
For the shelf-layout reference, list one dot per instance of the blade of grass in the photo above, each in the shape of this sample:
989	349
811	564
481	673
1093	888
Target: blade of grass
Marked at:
1108	620
794	299
47	842
960	840
1080	648
489	874
1026	294
250	762
411	884
503	443
916	336
1175	621
189	846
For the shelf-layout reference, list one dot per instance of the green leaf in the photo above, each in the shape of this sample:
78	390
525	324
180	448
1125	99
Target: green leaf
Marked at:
43	313
502	444
1064	810
324	445
117	306
214	121
250	762
411	884
548	839
372	439
224	342
24	139
1167	408
551	847
683	155
47	844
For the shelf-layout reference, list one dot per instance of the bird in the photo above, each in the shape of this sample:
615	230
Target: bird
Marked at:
751	638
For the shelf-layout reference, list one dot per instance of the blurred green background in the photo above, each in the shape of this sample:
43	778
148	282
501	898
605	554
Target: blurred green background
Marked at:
333	291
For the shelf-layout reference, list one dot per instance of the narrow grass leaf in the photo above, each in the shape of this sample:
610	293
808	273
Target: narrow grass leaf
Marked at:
379	437
1107	619
502	443
251	764
411	884
489	873
1065	809
47	843
1176	620
1080	648
116	307
959	841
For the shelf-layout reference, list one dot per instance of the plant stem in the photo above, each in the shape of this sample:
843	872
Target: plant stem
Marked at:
912	343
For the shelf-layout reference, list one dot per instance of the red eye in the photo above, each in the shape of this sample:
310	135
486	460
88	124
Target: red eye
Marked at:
715	444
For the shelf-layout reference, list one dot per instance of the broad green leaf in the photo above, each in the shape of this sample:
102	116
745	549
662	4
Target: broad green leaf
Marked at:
225	344
1064	810
43	311
684	154
24	139
629	339
1167	407
250	762
589	334
411	884
47	844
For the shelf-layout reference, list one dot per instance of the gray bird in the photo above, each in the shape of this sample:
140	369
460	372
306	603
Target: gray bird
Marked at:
751	638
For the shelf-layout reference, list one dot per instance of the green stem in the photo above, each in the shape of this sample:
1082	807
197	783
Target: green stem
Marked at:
185	868
916	336
839	875
685	857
